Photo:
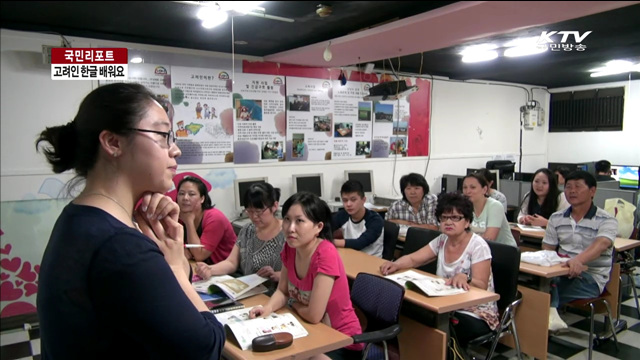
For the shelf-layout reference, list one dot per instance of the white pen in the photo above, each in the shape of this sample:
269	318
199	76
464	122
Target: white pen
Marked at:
189	246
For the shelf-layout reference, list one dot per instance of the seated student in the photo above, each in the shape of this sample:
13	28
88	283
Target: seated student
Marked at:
464	259
355	226
260	242
203	224
561	173
603	171
313	280
489	219
585	233
417	207
543	200
493	193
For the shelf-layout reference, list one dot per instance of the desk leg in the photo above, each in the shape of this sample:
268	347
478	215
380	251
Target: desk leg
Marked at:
443	323
545	285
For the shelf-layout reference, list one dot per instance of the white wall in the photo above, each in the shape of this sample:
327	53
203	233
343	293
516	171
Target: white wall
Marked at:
619	147
471	124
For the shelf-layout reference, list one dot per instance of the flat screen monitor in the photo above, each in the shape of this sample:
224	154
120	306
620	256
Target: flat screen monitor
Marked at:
626	175
522	176
506	167
308	182
240	187
365	177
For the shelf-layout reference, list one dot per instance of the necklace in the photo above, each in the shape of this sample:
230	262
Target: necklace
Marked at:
112	199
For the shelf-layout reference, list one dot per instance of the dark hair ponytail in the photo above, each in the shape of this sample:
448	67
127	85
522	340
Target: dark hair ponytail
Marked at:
61	152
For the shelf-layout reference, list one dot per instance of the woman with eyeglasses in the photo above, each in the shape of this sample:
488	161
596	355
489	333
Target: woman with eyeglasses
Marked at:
109	286
489	219
259	243
464	259
203	224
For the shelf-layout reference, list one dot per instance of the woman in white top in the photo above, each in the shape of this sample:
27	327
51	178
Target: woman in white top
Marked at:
543	200
489	219
464	259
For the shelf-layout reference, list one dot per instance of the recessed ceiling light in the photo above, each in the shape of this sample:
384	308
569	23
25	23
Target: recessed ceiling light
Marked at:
136	60
240	42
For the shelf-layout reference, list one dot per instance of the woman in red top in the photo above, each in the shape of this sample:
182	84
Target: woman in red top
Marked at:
203	224
312	280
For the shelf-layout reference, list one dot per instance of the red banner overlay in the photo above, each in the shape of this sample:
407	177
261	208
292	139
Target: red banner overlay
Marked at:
89	56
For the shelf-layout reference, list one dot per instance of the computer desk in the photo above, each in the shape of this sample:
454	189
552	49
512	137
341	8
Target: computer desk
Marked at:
417	339
321	339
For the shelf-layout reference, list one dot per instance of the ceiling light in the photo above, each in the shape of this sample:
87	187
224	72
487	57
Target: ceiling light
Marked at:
240	7
524	50
478	48
240	42
136	60
327	55
614	67
480	56
212	17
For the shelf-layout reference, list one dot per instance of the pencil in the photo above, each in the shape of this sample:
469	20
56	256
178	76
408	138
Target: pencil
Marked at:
189	246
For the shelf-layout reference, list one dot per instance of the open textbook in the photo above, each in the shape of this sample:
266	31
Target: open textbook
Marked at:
429	285
234	288
531	228
245	330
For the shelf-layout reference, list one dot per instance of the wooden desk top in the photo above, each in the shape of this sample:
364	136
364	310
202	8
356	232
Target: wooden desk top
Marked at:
356	262
621	244
321	339
543	271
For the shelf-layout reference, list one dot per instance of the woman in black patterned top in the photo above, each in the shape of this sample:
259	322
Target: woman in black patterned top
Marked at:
259	243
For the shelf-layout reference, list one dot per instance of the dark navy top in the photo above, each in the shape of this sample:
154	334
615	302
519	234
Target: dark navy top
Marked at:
106	292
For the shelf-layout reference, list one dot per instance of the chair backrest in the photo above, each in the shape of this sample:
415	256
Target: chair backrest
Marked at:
505	266
391	231
379	299
416	239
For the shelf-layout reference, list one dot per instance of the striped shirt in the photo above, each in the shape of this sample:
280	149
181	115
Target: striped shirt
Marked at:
402	210
572	238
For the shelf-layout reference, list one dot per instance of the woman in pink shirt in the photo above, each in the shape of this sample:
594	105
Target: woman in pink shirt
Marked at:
313	281
203	224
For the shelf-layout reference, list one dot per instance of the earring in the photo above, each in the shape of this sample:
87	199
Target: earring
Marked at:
115	154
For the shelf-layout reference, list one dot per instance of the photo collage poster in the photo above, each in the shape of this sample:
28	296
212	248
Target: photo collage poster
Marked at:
156	78
203	121
391	127
259	118
309	110
353	121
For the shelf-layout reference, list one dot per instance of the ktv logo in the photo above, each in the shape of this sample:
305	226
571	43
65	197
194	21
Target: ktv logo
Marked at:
548	39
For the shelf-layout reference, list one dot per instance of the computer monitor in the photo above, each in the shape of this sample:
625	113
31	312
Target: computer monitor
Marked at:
523	176
240	187
626	175
308	182
506	167
365	177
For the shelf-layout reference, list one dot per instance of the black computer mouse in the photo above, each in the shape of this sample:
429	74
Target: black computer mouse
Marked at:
272	342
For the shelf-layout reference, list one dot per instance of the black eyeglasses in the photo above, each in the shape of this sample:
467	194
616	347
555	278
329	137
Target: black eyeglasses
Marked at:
171	139
454	218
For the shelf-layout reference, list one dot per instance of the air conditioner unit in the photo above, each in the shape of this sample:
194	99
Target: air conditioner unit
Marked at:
390	90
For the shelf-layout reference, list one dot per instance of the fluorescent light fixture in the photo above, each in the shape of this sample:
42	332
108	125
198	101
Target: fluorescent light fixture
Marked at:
524	50
241	7
136	60
614	67
479	53
480	56
212	16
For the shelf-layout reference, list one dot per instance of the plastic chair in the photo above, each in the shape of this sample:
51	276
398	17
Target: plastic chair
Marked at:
598	305
505	265
379	300
390	237
415	240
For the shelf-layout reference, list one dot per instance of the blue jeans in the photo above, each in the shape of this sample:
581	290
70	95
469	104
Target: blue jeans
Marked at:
564	290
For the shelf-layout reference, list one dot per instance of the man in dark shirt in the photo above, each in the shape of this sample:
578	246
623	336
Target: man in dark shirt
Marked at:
603	171
355	226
